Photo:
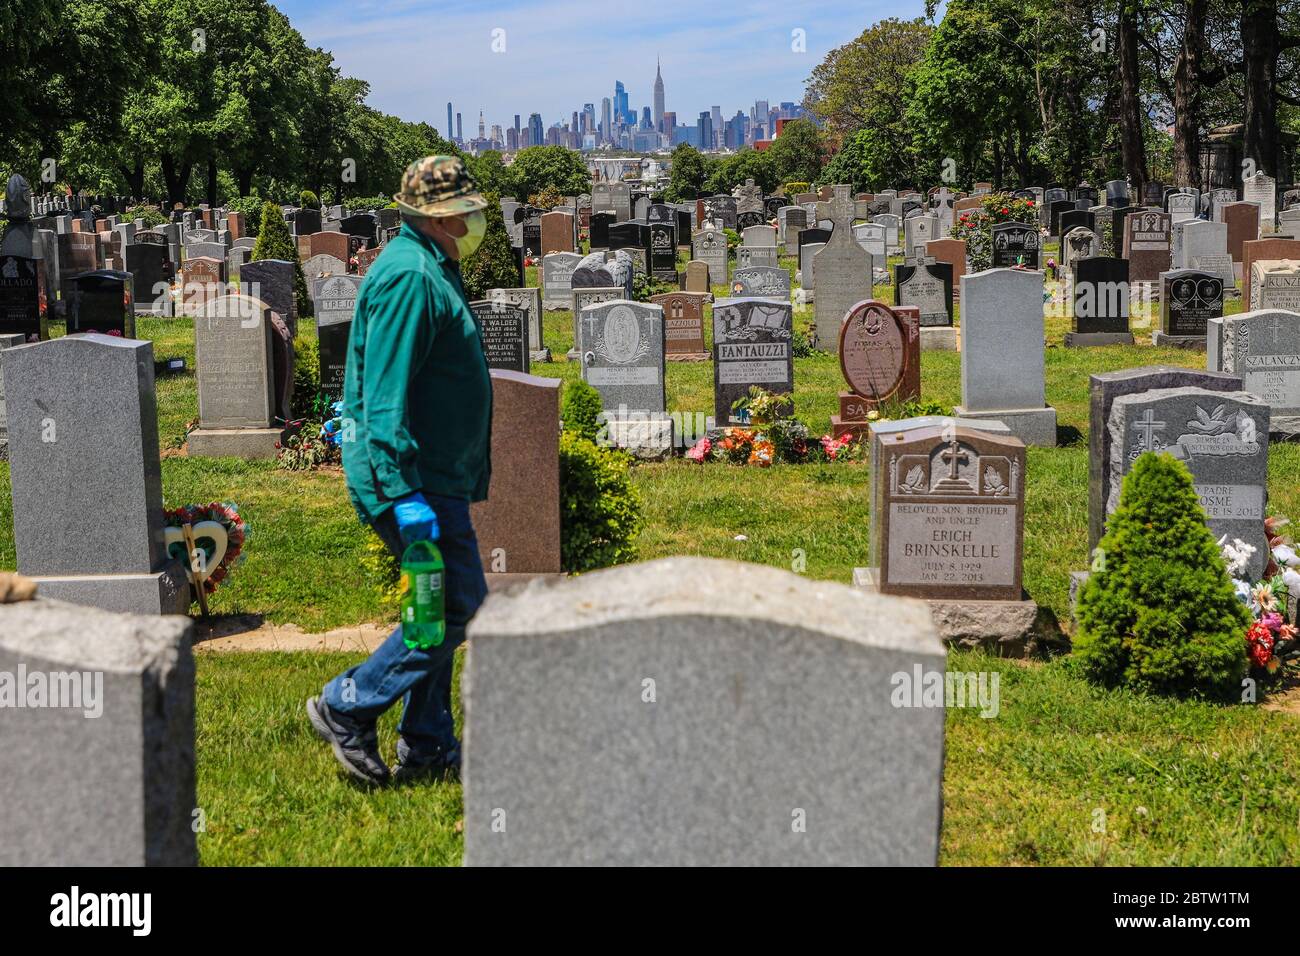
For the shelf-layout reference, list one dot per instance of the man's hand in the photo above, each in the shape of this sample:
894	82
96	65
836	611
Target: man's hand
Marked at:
415	519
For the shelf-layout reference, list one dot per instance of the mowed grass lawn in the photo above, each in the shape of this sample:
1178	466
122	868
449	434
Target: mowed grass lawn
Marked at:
1066	773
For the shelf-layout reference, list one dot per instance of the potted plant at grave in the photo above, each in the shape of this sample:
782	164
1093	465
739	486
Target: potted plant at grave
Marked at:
1159	613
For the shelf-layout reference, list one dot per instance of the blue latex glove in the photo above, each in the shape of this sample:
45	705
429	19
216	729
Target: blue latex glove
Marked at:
415	519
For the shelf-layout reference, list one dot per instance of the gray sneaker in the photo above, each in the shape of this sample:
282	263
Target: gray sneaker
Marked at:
355	744
444	764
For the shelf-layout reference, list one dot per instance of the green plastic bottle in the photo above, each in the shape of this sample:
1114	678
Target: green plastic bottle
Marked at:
423	612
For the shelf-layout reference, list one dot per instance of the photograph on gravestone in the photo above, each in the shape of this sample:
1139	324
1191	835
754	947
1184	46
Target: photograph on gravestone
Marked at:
1014	244
1189	299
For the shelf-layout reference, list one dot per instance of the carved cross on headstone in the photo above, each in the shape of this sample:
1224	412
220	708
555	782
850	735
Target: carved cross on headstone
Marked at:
953	456
839	209
1277	323
1147	427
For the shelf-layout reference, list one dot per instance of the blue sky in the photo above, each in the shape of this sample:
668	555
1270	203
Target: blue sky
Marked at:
559	54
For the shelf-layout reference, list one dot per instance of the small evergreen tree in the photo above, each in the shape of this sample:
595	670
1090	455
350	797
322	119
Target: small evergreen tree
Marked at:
492	264
581	409
274	242
1159	613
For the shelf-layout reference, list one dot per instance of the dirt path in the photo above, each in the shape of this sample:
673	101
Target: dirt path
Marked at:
248	632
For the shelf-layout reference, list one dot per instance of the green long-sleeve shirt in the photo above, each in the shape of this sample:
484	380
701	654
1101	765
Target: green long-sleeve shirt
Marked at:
417	387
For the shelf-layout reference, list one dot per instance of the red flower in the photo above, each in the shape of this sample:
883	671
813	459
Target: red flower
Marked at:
1004	210
1259	644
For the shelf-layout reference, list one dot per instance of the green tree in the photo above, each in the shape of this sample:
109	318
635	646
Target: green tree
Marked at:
490	172
492	265
688	173
732	171
558	167
798	152
1160	614
274	242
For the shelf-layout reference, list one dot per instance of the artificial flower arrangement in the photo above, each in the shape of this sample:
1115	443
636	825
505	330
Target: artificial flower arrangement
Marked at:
772	437
220	560
1271	640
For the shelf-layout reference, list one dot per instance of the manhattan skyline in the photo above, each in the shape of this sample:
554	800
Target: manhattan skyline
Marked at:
555	57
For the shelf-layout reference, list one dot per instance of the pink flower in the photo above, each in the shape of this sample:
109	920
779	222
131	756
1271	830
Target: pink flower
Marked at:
1271	620
700	450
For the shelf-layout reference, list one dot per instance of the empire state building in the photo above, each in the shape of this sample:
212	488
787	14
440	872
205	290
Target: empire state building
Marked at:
659	98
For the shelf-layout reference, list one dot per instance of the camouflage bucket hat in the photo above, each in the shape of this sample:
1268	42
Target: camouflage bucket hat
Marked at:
438	186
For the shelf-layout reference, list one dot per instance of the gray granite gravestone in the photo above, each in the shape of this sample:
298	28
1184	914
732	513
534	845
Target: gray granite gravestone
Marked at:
710	246
236	381
7	341
583	298
557	279
1103	389
842	272
87	510
1222	438
623	358
706	775
1002	365
766	281
1263	347
105	776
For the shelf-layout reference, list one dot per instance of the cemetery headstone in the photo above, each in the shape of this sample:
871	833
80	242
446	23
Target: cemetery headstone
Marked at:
710	247
557	282
236	379
272	281
623	358
1002	363
1263	347
101	302
23	298
683	325
842	269
87	510
335	307
1189	299
700	785
880	359
765	281
1146	245
752	345
1100	312
1015	243
503	329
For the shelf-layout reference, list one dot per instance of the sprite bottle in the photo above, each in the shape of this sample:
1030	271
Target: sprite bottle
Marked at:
423	613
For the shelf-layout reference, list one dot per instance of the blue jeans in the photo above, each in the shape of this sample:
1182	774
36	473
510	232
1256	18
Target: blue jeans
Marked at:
423	678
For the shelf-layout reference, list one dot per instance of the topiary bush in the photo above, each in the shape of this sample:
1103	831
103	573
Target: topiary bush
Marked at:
251	207
600	510
580	409
274	242
308	200
1158	613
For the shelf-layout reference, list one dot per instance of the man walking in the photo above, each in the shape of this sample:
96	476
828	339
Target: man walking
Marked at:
418	390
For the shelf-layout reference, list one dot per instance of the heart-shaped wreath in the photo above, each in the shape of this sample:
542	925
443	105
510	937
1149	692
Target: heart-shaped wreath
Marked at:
219	532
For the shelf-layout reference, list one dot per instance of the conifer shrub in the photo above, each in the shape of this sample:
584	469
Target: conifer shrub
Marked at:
1158	613
274	242
600	510
580	409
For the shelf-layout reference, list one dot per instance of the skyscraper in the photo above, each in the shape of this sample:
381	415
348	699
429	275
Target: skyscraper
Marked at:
536	135
621	113
516	126
606	130
646	121
706	130
458	129
659	98
482	129
449	136
588	117
717	142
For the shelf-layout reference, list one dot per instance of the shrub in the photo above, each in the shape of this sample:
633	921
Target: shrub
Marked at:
645	285
600	510
151	215
975	226
492	264
1159	614
793	189
308	401
251	207
306	450
274	242
581	409
308	200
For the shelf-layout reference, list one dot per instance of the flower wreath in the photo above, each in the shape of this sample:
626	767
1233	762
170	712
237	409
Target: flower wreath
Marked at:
223	513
